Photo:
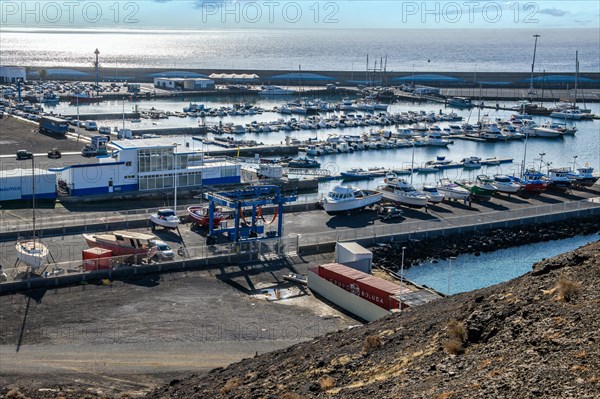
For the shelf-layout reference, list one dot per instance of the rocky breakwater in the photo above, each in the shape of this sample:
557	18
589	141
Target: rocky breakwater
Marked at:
430	249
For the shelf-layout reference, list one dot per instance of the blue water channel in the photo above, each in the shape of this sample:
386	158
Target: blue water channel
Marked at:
470	272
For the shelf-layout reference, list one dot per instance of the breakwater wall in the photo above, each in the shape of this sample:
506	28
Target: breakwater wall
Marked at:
556	80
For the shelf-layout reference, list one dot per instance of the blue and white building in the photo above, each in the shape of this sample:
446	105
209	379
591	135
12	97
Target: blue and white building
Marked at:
146	165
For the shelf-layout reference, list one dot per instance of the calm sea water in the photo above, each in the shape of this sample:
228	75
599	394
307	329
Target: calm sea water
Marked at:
407	50
470	272
585	144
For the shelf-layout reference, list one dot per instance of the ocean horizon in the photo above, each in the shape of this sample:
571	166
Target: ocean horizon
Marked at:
420	50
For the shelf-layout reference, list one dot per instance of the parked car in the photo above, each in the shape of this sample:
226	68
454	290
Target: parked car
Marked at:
88	151
163	250
90	125
54	153
24	154
389	212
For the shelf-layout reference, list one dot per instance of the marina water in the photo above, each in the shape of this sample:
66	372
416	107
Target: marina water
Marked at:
470	272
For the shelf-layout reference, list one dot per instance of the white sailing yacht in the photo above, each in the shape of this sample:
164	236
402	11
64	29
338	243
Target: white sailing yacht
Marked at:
32	251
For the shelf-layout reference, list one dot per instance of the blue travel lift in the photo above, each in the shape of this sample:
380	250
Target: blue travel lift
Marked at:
252	196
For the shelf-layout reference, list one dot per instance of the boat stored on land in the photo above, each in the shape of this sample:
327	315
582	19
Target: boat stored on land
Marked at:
505	184
346	199
166	218
123	242
452	190
482	188
401	191
201	217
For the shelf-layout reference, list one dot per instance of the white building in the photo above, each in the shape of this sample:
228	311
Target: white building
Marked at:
184	83
146	165
18	184
11	74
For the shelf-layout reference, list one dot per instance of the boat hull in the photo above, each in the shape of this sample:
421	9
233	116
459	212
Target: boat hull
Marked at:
167	223
454	194
342	207
200	216
414	201
33	253
117	250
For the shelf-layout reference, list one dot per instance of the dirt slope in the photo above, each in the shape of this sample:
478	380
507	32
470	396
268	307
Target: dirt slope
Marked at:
534	337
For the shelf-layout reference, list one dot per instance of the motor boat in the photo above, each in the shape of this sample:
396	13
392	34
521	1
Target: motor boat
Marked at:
304	163
401	191
432	193
166	218
452	190
270	90
471	163
201	217
504	184
123	243
346	199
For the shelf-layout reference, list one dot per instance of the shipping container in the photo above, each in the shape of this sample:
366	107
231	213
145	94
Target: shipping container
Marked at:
96	258
373	289
50	124
354	255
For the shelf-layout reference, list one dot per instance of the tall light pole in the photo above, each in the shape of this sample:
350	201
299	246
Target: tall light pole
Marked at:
175	177
96	65
449	272
402	277
533	65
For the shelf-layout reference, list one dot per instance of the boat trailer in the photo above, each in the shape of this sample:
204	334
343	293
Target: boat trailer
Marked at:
254	197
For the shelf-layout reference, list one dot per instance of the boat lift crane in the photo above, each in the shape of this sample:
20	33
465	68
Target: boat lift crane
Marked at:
252	196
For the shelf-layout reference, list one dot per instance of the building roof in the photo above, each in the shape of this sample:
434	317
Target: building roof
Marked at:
24	172
136	144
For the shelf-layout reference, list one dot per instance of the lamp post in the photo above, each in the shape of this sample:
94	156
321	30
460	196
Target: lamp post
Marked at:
449	272
175	177
402	277
531	92
96	65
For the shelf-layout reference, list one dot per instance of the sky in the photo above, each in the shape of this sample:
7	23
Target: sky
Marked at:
300	14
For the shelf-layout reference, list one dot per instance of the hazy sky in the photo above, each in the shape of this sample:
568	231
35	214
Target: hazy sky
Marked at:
300	14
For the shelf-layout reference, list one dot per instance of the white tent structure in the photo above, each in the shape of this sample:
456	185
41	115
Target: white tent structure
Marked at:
234	76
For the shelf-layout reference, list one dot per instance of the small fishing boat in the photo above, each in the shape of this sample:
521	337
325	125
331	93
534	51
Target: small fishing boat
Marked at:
532	181
583	176
346	199
201	217
471	163
559	179
85	98
166	218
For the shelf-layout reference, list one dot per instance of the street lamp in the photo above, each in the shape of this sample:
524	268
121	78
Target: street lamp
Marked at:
402	277
175	177
449	272
531	92
96	65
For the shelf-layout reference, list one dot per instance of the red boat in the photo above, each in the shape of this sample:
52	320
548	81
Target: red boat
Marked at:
201	217
123	243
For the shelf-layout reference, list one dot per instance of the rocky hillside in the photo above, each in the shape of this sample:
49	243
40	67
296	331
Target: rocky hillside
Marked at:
534	337
537	336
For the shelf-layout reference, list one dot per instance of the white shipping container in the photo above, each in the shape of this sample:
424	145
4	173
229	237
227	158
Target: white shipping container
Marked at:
354	255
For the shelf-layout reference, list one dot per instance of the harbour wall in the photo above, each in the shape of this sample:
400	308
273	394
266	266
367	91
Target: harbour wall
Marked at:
344	78
254	256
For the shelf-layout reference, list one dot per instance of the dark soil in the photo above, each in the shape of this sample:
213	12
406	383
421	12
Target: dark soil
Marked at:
533	337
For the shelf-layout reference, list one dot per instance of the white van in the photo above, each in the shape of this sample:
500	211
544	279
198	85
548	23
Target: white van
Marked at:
90	125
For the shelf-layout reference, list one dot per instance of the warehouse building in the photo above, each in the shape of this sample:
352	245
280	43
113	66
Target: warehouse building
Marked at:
184	83
12	74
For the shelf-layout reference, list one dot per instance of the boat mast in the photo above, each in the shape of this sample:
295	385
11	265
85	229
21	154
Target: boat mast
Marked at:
412	164
33	196
524	154
576	78
531	92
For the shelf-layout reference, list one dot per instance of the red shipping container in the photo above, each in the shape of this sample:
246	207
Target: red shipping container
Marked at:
378	291
373	289
340	275
96	258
